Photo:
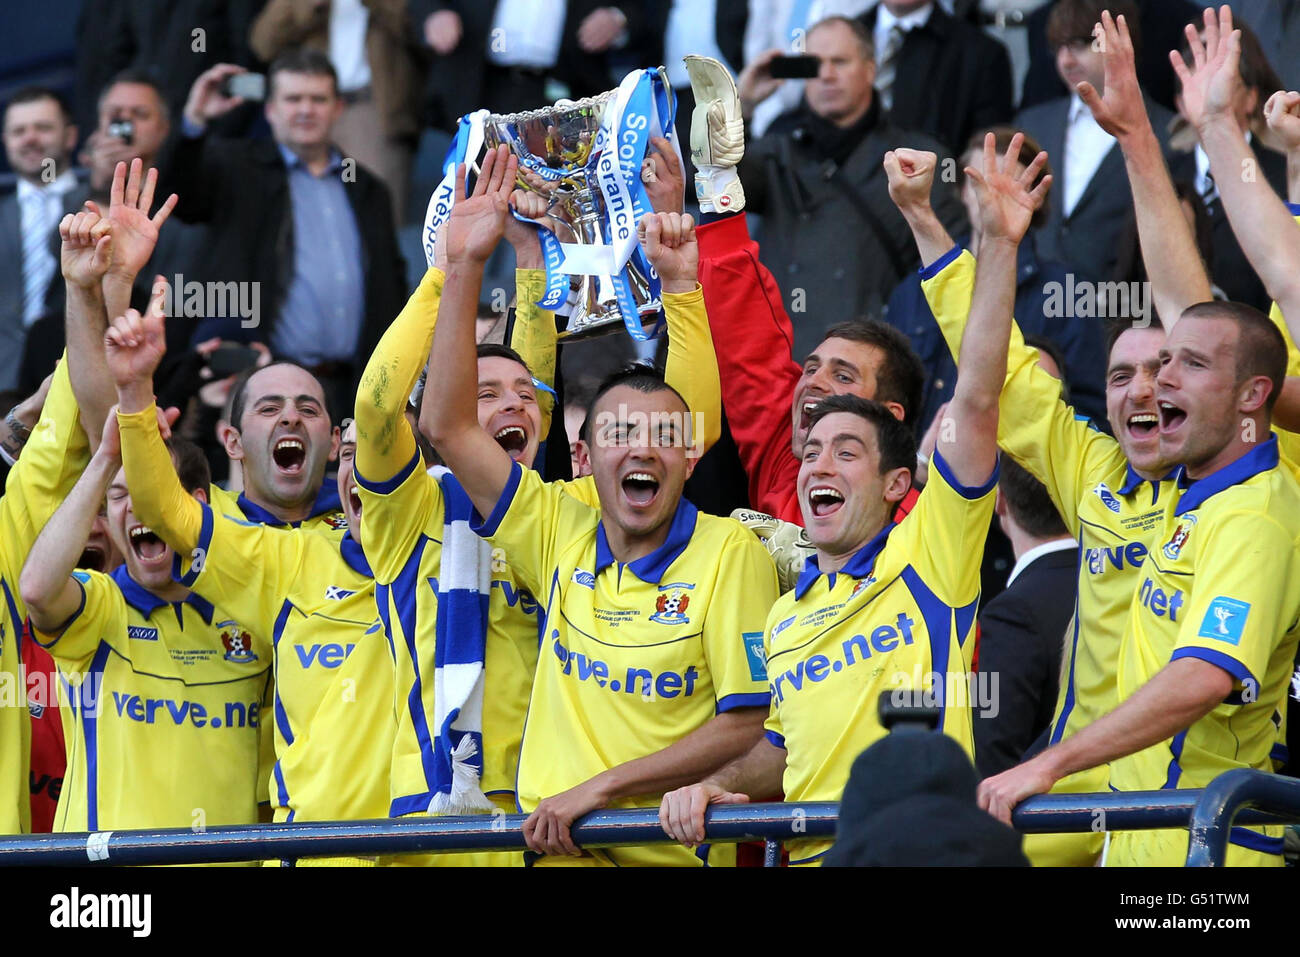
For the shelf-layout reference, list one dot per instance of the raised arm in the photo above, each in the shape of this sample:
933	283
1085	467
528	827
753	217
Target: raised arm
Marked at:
1174	266
450	416
911	175
1265	229
85	256
51	594
1007	201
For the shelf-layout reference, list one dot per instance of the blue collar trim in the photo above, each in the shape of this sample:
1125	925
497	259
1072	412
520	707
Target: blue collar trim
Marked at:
651	568
146	602
1198	491
351	551
859	566
327	500
1132	480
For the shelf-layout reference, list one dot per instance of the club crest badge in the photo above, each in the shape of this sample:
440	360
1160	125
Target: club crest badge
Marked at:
671	605
238	643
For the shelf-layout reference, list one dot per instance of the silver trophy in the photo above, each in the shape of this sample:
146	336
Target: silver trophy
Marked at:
558	144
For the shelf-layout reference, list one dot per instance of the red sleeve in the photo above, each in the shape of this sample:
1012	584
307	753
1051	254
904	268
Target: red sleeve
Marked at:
48	757
752	337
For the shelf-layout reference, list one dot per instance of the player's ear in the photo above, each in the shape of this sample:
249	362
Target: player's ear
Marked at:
896	410
897	484
230	440
335	441
1254	393
201	493
582	455
1000	504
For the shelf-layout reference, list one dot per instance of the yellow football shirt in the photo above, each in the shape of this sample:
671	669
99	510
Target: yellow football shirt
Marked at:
312	598
326	517
1108	507
1221	583
53	459
898	617
167	701
633	656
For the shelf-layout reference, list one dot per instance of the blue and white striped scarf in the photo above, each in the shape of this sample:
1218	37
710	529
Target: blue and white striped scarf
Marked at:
464	588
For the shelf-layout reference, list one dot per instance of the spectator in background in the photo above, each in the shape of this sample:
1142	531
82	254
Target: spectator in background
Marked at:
832	238
313	235
172	41
1277	24
39	136
1081	341
1229	269
1091	202
1022	630
501	54
1161	22
921	50
132	121
782	25
374	49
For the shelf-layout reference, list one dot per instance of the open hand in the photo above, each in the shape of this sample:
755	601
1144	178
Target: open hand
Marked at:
1210	84
1119	110
1008	198
135	232
478	221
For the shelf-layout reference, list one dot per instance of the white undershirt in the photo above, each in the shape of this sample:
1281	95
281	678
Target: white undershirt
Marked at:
527	33
1086	145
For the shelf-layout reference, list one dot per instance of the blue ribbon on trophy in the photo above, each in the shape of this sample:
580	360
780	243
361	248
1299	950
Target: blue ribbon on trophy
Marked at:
589	154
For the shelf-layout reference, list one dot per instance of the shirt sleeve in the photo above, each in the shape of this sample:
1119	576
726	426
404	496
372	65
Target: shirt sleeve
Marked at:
745	591
384	440
99	617
1246	568
531	520
944	534
534	336
53	459
772	728
157	497
395	513
692	366
1035	427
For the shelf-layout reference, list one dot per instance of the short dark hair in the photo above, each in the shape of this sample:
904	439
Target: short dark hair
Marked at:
1028	150
1117	327
1044	344
136	77
34	94
856	27
901	377
1261	347
239	392
1028	501
1072	20
301	60
500	351
895	440
635	375
191	464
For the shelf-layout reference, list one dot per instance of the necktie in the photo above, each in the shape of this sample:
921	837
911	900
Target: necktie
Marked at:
38	261
889	66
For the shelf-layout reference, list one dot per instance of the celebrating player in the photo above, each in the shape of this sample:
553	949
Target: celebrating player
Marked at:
883	606
648	675
313	596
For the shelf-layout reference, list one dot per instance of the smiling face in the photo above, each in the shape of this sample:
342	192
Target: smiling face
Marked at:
507	407
837	367
347	480
1199	393
845	499
147	557
638	459
283	439
34	132
101	553
1131	399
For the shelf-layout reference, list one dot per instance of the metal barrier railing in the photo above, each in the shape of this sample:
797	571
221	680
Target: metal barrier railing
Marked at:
1237	797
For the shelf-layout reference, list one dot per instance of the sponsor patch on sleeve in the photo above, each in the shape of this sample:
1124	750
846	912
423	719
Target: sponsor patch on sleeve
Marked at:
754	651
1225	620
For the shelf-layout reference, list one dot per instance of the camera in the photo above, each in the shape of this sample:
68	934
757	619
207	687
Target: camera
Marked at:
123	130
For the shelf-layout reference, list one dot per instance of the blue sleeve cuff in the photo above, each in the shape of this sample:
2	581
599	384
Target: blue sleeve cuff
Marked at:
755	699
489	527
205	543
965	491
1228	663
775	739
940	264
389	486
1293	209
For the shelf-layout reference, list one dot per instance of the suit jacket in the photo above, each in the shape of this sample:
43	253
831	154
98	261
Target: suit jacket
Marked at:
1022	634
455	84
729	23
1087	240
952	80
13	333
832	237
241	188
1229	268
